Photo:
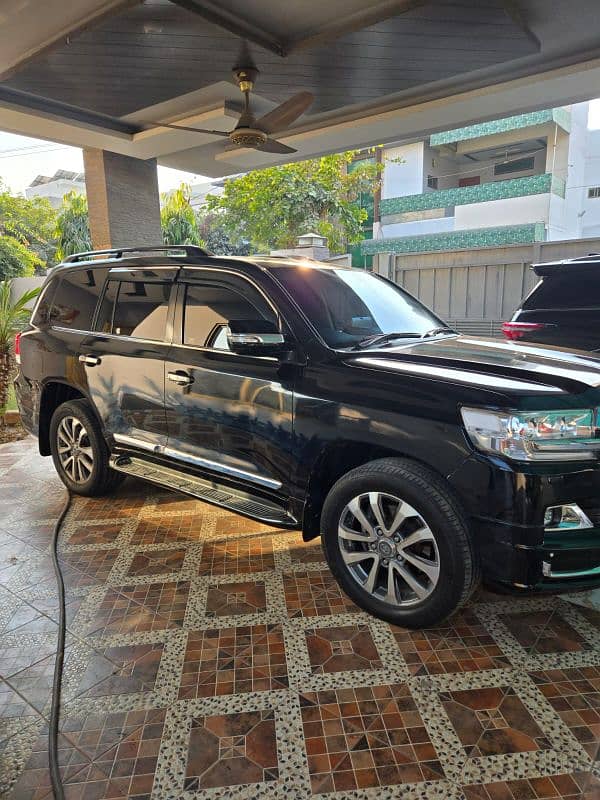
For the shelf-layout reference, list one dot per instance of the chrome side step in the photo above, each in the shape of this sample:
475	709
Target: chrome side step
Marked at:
207	490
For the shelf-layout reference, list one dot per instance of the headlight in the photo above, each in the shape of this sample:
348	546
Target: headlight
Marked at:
535	435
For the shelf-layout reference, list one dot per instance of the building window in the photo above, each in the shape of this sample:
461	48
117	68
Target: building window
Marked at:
432	182
518	165
594	192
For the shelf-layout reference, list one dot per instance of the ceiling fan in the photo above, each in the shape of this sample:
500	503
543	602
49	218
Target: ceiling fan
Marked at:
249	131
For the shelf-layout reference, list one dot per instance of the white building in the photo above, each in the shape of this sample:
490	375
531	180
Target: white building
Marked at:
526	178
55	187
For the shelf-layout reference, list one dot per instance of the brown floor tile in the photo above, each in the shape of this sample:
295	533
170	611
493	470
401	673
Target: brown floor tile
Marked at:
34	781
313	594
129	763
554	787
101	755
544	632
462	644
146	607
493	721
19	651
38	535
305	552
231	749
95	534
94	566
338	649
171	502
575	696
247	597
14	705
156	562
233	525
121	670
234	556
168	530
233	660
359	738
125	503
14	555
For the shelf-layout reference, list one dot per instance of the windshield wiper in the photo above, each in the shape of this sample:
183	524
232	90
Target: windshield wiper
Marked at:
380	338
435	331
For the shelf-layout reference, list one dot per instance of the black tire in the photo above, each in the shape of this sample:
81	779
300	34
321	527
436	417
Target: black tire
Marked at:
454	557
101	478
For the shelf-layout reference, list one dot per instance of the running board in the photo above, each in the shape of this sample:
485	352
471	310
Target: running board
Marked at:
207	490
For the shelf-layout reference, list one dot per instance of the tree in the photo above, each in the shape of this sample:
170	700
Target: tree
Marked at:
177	218
216	238
13	316
271	207
73	226
31	223
16	259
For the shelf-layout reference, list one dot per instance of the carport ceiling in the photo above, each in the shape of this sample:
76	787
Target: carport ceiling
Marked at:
103	73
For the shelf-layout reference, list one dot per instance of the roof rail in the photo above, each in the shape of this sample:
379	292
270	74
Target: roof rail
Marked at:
190	251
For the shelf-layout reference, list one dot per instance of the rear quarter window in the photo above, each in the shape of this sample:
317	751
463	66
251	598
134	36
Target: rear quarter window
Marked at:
41	315
75	298
577	289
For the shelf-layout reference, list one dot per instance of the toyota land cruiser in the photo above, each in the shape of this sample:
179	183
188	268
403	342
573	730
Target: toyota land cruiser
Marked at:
324	399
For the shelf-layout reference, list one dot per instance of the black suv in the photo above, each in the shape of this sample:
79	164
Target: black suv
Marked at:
563	309
325	399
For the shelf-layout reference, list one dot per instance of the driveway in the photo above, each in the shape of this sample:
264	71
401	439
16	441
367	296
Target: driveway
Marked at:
210	656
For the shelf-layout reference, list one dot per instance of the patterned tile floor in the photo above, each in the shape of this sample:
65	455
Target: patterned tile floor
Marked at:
209	656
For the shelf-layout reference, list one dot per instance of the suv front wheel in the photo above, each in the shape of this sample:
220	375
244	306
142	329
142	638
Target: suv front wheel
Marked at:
79	451
397	543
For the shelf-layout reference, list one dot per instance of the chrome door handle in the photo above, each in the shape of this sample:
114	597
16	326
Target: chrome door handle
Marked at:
180	377
91	361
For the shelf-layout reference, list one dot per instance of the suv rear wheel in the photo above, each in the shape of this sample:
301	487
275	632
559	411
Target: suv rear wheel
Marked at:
79	451
397	543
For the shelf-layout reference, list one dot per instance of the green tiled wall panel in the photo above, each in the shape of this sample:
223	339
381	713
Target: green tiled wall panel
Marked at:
560	116
458	240
495	190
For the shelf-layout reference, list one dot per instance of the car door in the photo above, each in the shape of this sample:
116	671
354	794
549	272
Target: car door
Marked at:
227	413
125	356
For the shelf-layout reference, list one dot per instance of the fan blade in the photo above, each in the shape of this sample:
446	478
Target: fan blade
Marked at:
187	128
273	146
286	113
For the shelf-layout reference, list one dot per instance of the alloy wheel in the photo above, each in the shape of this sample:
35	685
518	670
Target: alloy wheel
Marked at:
74	449
389	549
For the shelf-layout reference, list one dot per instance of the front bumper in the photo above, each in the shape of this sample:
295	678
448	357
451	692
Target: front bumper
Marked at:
506	505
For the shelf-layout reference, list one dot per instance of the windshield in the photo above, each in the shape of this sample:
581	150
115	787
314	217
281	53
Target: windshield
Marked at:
348	306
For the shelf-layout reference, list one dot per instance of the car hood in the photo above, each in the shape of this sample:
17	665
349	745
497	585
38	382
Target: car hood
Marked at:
488	363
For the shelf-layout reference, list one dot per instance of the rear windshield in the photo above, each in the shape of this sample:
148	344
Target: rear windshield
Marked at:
576	289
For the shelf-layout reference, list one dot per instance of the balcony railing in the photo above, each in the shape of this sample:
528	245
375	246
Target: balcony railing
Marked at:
482	193
560	116
458	240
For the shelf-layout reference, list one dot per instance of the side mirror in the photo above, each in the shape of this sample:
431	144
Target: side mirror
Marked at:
255	337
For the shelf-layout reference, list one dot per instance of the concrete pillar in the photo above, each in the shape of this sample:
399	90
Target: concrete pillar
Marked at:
123	201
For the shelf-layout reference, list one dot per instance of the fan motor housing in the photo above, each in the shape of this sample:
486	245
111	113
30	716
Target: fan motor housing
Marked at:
248	137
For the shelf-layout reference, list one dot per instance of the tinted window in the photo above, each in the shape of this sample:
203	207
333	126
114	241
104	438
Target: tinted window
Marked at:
578	289
76	297
135	308
208	309
346	305
42	311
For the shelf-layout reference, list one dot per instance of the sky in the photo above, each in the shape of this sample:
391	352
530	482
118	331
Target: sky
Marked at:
22	159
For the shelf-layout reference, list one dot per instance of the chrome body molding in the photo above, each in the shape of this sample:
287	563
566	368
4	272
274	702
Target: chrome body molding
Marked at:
198	461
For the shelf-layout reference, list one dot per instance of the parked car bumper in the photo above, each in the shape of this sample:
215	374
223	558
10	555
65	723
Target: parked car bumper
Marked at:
506	503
